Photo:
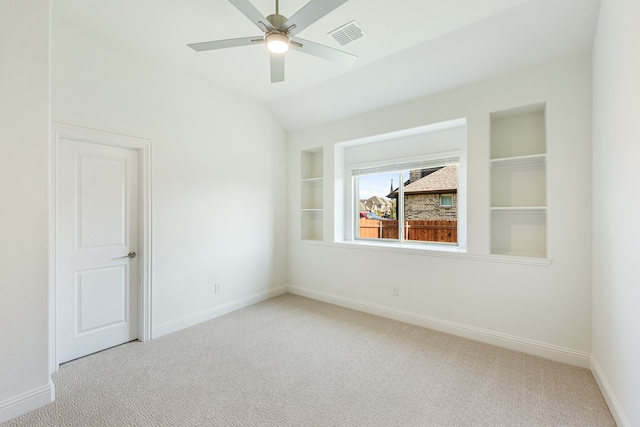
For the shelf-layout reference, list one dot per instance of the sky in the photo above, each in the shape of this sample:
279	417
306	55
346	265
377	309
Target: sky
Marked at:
378	184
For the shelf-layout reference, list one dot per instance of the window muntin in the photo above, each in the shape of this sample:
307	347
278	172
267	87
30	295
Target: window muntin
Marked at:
411	212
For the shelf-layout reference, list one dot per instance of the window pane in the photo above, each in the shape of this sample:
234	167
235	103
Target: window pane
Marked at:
430	214
377	214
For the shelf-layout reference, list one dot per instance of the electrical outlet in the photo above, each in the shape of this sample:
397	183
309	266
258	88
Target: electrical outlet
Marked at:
395	291
217	288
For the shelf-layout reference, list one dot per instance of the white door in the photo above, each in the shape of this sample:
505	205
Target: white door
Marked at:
96	238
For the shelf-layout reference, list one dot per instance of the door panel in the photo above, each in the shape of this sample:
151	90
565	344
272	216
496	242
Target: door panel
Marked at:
101	295
96	227
102	208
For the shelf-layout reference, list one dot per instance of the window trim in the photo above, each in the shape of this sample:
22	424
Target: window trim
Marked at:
446	194
398	165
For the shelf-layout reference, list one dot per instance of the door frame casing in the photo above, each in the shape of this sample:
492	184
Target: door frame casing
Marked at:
143	147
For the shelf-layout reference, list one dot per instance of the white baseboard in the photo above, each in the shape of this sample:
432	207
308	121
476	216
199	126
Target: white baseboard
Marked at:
549	351
196	318
609	395
27	402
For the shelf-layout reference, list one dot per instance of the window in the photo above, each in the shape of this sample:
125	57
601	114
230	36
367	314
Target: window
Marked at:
392	189
446	200
409	201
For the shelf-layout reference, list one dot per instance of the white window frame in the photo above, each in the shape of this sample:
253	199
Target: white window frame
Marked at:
401	164
446	194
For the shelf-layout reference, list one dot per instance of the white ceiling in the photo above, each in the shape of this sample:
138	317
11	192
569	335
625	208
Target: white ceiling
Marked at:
412	48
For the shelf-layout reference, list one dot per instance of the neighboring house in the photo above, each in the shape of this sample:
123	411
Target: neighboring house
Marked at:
376	204
431	194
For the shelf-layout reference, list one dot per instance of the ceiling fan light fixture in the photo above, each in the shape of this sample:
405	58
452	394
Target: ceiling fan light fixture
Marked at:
277	43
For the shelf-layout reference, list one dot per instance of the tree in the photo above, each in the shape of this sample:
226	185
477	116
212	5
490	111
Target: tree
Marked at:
393	211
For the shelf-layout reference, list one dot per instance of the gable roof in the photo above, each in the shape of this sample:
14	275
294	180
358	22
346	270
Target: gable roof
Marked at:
445	179
374	203
379	201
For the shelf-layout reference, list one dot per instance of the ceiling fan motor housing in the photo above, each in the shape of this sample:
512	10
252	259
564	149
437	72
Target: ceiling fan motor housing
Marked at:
276	20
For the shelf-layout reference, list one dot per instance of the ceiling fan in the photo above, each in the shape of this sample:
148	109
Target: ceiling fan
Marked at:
279	34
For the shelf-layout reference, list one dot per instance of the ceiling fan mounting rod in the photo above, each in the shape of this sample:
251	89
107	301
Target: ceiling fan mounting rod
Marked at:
278	20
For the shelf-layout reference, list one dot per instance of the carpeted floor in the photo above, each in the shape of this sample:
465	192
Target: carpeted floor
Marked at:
292	361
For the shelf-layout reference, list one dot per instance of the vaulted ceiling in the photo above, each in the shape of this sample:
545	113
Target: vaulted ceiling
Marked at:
412	48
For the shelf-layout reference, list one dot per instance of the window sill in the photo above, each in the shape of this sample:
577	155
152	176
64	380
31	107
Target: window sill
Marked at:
445	251
420	247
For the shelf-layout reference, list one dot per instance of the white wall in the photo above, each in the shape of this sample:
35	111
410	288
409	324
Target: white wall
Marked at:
616	207
544	310
24	208
218	171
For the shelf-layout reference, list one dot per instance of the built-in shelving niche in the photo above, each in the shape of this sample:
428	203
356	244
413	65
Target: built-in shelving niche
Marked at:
519	182
312	194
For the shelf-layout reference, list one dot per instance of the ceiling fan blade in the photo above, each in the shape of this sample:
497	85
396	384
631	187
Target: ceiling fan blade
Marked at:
277	68
221	44
325	52
309	14
254	15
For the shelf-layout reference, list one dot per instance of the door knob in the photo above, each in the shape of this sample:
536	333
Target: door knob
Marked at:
130	255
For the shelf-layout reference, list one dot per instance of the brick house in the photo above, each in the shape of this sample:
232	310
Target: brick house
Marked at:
431	194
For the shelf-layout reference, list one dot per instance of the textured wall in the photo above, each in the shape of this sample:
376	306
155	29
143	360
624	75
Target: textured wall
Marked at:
537	304
24	206
616	231
212	222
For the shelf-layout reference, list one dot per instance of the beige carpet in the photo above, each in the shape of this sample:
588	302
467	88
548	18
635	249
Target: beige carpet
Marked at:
292	361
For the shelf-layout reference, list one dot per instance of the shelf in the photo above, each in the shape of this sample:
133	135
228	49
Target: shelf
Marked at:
519	182
311	164
520	186
519	161
519	233
518	209
312	228
520	254
518	132
314	181
311	194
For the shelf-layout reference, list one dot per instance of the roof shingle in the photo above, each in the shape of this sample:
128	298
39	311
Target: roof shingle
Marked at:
441	180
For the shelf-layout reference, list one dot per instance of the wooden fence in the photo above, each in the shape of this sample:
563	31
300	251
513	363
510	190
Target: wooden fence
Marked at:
420	230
